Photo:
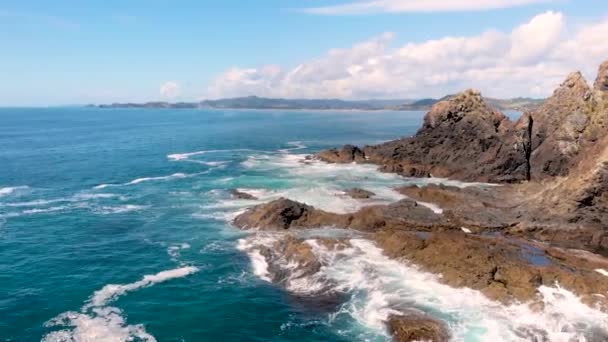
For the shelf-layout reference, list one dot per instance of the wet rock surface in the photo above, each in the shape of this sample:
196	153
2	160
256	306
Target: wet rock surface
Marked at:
359	193
346	154
506	270
416	327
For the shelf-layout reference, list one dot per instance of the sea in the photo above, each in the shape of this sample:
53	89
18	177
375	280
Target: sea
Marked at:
115	225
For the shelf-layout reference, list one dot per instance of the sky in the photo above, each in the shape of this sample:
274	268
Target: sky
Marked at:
63	52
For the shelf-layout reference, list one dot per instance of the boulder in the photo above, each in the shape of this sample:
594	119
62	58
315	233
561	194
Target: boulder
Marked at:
416	327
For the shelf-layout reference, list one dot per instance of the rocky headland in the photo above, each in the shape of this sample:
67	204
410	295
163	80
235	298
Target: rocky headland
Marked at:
545	223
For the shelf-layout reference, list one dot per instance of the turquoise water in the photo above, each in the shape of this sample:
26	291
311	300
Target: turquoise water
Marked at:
63	236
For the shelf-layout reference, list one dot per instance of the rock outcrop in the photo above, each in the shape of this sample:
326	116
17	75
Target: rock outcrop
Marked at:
346	154
601	82
412	327
285	214
564	126
461	138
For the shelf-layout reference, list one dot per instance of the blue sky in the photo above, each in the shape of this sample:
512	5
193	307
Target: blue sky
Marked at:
75	51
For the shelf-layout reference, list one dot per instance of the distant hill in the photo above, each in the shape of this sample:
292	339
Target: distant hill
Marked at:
255	102
521	104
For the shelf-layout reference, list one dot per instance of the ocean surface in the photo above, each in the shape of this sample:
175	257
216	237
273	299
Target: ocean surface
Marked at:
115	226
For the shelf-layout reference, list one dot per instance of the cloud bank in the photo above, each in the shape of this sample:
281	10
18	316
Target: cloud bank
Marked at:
528	61
169	90
396	6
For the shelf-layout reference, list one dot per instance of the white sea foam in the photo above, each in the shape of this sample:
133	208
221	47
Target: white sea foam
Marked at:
185	156
174	251
12	189
127	208
97	322
177	175
295	145
434	207
45	210
105	324
112	291
380	287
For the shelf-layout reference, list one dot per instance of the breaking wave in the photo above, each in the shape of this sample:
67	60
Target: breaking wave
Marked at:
379	287
99	322
12	189
177	175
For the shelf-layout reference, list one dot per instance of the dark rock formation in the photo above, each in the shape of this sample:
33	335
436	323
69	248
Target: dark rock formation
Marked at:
346	154
562	127
462	138
242	195
359	193
416	327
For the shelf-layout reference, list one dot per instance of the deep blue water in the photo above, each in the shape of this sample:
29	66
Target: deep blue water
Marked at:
63	236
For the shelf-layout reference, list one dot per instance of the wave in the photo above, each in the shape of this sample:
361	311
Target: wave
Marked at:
127	208
185	156
379	287
295	145
174	251
101	323
76	198
178	175
12	189
112	291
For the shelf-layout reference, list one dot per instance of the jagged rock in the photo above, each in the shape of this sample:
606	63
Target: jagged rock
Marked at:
346	154
416	327
559	128
359	193
461	138
242	195
601	82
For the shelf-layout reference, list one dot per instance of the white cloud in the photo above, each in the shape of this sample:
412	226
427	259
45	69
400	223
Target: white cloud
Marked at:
531	60
375	6
169	90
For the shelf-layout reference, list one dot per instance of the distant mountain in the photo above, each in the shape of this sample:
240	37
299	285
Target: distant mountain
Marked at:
255	102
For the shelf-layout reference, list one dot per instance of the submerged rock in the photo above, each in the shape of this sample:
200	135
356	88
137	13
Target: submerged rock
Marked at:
242	195
359	193
416	327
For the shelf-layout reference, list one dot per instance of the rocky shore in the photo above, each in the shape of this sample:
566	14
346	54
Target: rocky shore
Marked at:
545	224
